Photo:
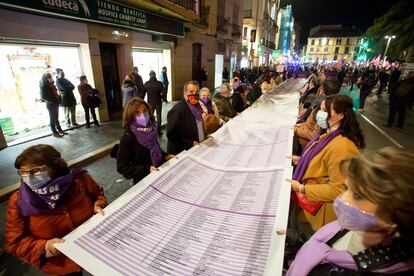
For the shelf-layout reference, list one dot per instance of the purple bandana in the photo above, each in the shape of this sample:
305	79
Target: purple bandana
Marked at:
208	104
147	137
196	110
46	198
308	155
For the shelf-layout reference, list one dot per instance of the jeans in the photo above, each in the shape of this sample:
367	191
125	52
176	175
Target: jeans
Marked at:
362	97
54	117
86	108
70	114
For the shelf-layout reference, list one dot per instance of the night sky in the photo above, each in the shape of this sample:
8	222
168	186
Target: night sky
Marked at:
361	13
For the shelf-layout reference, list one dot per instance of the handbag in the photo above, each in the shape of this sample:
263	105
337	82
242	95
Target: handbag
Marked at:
309	206
211	123
93	100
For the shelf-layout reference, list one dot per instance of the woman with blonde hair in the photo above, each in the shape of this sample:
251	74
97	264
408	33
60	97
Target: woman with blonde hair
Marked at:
374	231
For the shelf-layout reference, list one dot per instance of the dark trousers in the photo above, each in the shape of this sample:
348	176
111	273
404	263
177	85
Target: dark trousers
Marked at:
164	95
86	108
381	88
352	86
54	117
362	97
399	106
158	108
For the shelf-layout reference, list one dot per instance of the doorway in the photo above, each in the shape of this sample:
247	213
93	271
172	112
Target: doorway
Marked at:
111	78
218	79
196	62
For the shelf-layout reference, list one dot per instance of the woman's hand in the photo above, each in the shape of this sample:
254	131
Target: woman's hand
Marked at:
295	184
169	156
153	169
50	250
97	209
295	159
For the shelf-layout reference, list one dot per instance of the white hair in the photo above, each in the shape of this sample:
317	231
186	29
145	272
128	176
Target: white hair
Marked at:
224	88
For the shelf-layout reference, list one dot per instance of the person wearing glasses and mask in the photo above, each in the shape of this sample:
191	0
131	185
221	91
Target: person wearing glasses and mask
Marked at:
51	202
139	152
373	233
317	180
185	126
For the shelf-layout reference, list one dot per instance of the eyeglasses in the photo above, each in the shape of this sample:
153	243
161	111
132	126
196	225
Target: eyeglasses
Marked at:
33	171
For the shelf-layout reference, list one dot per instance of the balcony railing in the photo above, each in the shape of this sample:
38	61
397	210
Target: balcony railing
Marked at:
204	13
235	30
187	4
247	13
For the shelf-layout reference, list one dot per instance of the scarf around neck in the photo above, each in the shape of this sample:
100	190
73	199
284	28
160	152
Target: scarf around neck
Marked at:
196	110
46	198
147	137
308	155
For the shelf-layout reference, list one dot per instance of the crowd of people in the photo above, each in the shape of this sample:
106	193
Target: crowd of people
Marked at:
351	210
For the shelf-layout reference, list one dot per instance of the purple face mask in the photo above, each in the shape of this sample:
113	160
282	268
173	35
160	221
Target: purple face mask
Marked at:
353	218
142	119
205	100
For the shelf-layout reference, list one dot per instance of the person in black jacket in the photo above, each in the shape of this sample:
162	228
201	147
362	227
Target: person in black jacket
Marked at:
48	94
238	99
67	98
139	152
185	123
155	91
138	82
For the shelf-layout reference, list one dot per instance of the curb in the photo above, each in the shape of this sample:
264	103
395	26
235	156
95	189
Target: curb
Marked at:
81	161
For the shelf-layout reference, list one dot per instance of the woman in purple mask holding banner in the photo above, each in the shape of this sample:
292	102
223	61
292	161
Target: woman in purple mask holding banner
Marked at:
317	180
374	231
139	151
52	201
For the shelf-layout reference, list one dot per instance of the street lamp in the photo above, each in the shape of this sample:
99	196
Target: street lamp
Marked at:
389	37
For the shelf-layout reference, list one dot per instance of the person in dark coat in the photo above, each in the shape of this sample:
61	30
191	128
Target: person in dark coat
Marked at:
48	94
383	78
238	100
138	82
366	85
129	89
254	93
155	91
394	77
222	100
203	77
185	123
225	75
139	152
341	76
354	78
400	97
67	98
84	91
165	82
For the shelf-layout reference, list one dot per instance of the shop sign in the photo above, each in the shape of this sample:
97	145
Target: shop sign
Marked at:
275	54
7	126
100	11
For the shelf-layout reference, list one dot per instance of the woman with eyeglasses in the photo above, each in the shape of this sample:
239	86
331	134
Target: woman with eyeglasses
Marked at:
51	202
374	231
48	94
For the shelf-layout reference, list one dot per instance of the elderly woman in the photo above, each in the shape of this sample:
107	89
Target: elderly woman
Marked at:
211	117
317	180
373	233
222	100
139	151
51	202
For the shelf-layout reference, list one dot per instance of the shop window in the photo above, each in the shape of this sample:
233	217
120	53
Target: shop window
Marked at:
346	50
338	41
22	67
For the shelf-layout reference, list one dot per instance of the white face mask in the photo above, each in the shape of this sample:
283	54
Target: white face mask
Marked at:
321	119
37	181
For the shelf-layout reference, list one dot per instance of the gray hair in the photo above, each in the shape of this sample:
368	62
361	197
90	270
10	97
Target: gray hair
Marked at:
224	88
204	89
193	82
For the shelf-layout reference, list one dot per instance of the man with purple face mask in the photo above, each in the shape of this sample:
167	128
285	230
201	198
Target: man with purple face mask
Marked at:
373	233
139	151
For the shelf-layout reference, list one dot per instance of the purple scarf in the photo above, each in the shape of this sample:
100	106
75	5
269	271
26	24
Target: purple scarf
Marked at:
147	137
209	105
308	155
47	198
316	251
196	110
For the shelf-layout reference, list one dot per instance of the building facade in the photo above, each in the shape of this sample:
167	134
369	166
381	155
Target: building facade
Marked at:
259	31
286	30
332	43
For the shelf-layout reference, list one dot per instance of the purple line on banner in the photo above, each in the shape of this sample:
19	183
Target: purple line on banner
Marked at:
210	208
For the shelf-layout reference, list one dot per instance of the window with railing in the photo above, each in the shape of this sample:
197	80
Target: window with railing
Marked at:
204	13
187	4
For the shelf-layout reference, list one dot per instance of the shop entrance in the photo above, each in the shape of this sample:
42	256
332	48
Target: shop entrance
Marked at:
111	78
153	60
